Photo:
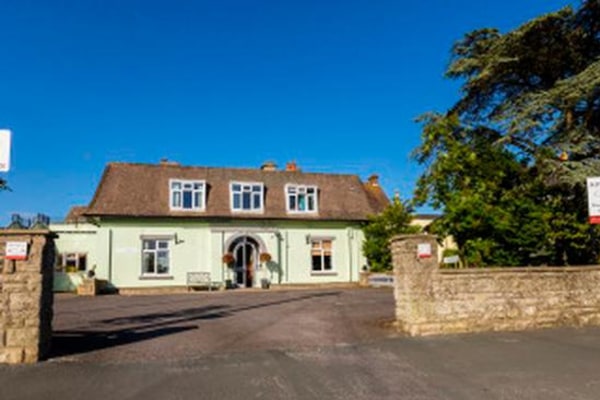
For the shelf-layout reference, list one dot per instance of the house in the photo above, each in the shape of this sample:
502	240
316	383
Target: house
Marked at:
150	225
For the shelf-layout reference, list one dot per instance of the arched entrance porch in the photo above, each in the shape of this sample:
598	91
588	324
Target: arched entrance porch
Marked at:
246	251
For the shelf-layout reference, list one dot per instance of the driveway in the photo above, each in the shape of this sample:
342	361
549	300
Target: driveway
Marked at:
318	344
141	328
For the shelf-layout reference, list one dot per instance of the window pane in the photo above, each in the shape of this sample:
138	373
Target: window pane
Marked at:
256	189
176	202
149	244
316	263
256	204
246	188
291	189
327	262
292	203
175	185
198	186
82	262
187	199
148	262
310	190
236	201
246	201
163	244
198	200
301	202
162	262
327	244
235	188
71	261
311	203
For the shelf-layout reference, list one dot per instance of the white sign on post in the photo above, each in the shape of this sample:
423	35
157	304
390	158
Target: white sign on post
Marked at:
593	189
4	150
16	251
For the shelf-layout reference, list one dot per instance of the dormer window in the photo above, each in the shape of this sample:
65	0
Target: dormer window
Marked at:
247	196
187	195
301	198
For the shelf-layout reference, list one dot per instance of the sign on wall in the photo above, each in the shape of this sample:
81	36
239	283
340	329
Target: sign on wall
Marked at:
4	150
16	251
424	250
593	189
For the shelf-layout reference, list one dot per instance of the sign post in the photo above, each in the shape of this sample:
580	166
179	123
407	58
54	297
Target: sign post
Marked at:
4	150
593	189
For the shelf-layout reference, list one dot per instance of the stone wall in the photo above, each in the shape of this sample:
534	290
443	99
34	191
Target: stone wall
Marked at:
26	298
430	300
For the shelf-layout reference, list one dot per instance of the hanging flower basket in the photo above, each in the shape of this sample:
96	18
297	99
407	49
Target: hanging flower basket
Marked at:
265	257
228	258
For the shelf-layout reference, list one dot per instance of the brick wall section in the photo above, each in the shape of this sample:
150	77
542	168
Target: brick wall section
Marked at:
26	299
430	300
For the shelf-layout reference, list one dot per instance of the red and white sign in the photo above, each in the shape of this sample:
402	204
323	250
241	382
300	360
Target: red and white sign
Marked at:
424	250
16	251
593	189
4	150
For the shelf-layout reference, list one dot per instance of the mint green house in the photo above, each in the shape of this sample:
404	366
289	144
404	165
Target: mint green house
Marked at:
155	225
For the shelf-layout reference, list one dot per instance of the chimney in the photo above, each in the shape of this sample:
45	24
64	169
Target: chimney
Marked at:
291	167
374	180
269	166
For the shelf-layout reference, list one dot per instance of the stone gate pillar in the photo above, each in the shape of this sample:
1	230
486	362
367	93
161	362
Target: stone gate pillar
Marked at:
415	260
26	296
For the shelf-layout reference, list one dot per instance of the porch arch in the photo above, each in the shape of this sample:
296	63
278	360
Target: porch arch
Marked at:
262	248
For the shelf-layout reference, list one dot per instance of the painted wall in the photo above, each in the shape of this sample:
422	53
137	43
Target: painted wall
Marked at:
74	238
116	250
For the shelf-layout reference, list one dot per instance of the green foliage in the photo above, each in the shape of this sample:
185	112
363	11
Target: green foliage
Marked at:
394	220
492	160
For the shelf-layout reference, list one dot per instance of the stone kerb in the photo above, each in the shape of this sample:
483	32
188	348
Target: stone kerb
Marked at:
26	298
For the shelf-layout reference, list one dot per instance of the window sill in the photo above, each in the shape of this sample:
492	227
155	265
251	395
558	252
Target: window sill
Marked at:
156	278
323	273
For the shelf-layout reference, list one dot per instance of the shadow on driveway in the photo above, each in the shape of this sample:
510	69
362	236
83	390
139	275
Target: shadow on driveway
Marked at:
113	332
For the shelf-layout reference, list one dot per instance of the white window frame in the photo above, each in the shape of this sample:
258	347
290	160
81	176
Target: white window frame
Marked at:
298	188
242	190
322	270
155	251
64	257
184	182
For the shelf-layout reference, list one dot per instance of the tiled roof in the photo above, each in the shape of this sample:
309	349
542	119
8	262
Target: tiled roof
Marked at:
142	190
76	214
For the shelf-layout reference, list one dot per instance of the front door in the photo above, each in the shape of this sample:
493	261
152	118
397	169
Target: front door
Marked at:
246	255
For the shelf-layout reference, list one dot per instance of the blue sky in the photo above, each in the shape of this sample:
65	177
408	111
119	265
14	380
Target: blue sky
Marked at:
334	85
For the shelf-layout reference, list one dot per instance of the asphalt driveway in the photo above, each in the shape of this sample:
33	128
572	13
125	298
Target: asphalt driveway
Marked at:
141	328
317	344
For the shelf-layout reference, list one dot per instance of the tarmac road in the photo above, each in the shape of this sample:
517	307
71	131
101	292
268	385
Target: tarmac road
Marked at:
325	344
